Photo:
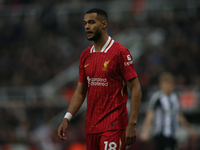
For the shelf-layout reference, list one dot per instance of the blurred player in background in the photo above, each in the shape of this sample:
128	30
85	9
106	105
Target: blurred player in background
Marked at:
164	109
105	70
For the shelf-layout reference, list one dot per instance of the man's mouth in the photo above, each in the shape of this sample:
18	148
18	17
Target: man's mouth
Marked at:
89	32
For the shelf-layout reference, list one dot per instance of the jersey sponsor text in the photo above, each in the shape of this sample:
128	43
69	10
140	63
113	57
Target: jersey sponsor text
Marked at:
97	81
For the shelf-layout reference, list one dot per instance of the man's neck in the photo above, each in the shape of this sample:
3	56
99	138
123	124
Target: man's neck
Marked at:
100	43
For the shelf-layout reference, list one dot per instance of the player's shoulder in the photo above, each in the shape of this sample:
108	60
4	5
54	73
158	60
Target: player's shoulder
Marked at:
86	52
155	96
154	100
119	48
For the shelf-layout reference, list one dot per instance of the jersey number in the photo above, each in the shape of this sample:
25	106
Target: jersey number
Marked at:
110	146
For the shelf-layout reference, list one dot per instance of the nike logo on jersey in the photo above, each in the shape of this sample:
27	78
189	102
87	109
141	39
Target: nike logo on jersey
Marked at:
86	65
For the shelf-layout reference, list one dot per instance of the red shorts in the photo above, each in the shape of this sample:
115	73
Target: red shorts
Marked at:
109	140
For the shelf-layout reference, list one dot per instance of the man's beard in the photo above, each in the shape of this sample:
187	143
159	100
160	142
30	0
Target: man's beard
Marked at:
96	36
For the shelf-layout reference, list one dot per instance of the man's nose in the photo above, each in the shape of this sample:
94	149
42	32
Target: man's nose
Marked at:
87	26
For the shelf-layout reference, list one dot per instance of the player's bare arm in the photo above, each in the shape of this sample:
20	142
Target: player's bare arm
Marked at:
75	104
183	121
147	124
136	95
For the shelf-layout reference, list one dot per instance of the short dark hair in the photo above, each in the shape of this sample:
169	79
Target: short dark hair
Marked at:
99	11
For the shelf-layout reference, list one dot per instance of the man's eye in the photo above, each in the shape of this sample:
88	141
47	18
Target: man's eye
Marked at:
92	22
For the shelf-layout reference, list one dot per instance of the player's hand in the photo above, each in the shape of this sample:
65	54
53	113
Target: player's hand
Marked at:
192	134
130	134
144	137
62	129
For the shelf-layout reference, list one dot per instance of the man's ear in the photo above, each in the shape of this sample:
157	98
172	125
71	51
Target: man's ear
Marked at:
104	24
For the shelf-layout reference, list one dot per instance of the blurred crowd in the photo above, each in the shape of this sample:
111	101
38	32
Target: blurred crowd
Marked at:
36	48
32	127
19	2
16	125
178	53
33	49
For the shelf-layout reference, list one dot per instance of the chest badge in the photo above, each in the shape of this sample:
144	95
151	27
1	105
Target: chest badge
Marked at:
105	65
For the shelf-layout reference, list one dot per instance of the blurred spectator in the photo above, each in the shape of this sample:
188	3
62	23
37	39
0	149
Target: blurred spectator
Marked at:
164	110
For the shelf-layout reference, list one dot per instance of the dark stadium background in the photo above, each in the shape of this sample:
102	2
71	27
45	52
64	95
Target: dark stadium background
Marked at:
40	45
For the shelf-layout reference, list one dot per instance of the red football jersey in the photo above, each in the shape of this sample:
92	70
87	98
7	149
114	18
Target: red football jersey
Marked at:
106	73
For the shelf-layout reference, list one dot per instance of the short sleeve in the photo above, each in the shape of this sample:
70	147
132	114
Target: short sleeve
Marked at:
154	101
82	76
126	65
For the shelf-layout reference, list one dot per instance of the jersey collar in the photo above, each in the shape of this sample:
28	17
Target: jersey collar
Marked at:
106	47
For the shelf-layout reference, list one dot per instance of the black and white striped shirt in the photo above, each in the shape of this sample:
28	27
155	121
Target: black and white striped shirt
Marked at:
166	109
